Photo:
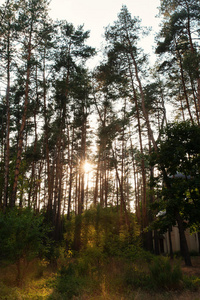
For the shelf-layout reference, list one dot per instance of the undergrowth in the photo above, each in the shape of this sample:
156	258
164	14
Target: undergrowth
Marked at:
110	264
97	276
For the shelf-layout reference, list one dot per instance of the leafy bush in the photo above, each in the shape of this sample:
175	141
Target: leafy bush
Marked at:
136	277
165	276
103	228
68	284
23	236
90	261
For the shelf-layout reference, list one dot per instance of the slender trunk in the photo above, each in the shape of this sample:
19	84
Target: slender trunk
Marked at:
197	108
101	189
164	109
122	199
70	156
70	192
137	207
144	216
117	192
170	244
7	134
182	108
184	87
32	183
106	186
83	157
156	243
183	241
56	180
23	124
96	182
145	113
59	188
46	141
199	240
37	189
151	200
82	194
198	93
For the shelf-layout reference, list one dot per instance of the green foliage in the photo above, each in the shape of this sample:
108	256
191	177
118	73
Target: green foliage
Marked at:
69	285
135	277
162	274
179	156
105	229
84	272
90	260
191	283
7	293
23	236
106	243
165	276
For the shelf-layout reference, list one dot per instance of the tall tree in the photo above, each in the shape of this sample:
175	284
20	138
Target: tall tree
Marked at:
179	37
179	155
126	63
30	19
7	39
71	86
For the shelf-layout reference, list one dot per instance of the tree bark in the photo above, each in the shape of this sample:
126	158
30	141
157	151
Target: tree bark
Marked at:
7	134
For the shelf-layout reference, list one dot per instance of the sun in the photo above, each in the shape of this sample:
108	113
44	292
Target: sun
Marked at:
87	167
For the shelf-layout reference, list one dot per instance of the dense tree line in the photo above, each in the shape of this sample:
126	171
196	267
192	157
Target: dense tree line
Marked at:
56	115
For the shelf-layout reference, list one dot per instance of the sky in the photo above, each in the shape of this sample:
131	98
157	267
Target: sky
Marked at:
96	15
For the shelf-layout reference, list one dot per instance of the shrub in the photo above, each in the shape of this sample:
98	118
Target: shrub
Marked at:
136	278
68	285
165	276
90	261
23	236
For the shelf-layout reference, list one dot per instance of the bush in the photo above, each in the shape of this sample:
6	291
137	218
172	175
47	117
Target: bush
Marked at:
23	236
68	284
165	276
90	261
136	278
103	228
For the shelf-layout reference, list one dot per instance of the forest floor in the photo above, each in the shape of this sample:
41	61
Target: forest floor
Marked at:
42	286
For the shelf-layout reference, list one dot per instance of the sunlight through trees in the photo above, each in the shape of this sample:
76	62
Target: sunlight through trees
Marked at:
73	139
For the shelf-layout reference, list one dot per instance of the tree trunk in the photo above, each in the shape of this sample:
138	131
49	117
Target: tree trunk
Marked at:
199	240
144	213
70	158
50	176
183	241
122	199
97	182
156	243
184	87
170	244
7	134
23	123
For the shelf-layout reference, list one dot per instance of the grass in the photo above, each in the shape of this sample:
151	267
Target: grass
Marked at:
92	276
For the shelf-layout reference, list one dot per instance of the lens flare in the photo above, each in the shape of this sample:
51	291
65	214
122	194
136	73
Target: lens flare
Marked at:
87	167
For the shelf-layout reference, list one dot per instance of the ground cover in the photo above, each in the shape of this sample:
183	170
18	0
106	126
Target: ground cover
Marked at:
92	277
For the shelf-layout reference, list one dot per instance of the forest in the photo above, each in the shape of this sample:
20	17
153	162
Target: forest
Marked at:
96	164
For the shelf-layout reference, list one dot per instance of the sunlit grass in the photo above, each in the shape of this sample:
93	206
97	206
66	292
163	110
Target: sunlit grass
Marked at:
115	278
37	284
34	289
